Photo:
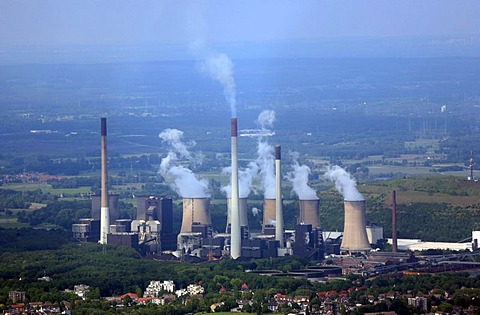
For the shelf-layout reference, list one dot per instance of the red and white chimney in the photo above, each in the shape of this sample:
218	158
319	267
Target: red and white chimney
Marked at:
104	209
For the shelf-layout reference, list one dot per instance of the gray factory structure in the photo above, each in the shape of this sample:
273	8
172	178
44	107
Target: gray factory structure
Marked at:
152	230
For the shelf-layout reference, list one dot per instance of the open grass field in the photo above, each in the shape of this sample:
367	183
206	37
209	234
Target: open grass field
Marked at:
11	223
46	188
434	188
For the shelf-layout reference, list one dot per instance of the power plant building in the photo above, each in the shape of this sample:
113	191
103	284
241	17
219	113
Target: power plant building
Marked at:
86	230
374	233
160	209
308	242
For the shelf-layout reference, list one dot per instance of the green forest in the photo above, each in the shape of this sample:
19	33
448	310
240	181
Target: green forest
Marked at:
115	270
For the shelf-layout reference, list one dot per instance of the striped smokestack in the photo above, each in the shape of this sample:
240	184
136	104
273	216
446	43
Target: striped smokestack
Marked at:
236	238
104	210
278	198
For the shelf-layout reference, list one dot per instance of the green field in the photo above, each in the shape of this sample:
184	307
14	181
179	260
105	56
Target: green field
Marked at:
46	188
11	223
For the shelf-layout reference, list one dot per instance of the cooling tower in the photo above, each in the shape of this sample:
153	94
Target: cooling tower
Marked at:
242	208
269	212
104	210
309	212
278	199
195	210
236	238
354	232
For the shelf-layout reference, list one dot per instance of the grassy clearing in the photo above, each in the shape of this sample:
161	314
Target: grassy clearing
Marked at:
378	170
46	188
433	188
36	205
11	223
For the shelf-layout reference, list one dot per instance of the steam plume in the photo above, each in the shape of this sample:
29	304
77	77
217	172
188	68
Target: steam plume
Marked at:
180	178
265	156
299	179
344	183
245	180
266	119
219	67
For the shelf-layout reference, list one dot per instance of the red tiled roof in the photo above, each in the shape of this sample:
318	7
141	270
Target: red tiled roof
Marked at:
133	296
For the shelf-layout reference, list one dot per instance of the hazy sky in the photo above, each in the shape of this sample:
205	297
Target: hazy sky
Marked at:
58	22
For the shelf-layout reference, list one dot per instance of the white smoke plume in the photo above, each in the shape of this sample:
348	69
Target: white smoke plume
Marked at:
265	156
256	211
174	138
299	179
220	67
245	180
180	178
266	119
266	163
344	183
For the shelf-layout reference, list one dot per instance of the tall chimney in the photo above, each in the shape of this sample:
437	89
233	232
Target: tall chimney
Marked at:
242	209
394	222
104	210
278	199
236	238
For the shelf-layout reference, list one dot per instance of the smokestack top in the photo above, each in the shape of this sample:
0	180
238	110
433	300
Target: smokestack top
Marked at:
104	126
234	127
278	149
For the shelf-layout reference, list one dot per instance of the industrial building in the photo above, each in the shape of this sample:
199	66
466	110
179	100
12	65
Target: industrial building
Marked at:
86	230
308	242
152	229
153	208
